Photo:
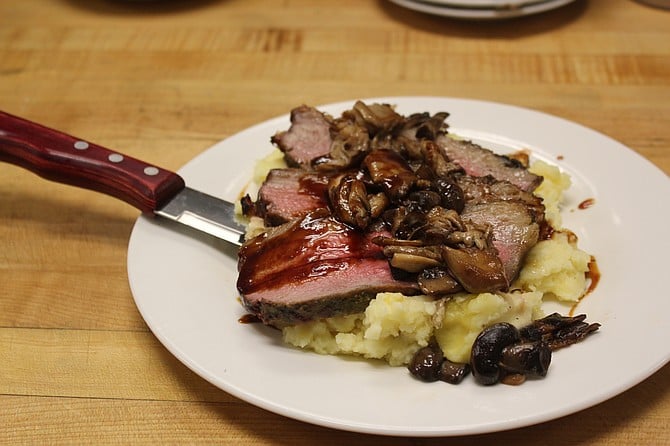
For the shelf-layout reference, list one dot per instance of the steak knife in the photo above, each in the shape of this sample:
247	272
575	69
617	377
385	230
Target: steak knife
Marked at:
63	158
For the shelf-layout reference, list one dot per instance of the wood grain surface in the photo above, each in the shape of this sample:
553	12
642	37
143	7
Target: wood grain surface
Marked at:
164	80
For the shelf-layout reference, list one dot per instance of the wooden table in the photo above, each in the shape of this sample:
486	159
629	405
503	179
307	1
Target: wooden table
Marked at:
163	82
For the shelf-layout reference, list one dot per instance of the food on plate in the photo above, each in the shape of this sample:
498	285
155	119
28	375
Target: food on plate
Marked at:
503	353
385	236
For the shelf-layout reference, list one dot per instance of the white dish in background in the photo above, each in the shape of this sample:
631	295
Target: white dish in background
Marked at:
490	4
443	8
184	286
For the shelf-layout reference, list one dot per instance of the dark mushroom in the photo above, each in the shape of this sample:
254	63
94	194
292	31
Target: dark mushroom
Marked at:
349	200
375	117
391	172
453	372
531	359
433	126
426	363
435	157
559	331
423	200
410	225
347	149
452	194
487	351
437	281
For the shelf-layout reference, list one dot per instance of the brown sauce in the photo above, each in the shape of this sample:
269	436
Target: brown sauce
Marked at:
249	319
522	156
314	186
587	203
514	379
301	252
594	275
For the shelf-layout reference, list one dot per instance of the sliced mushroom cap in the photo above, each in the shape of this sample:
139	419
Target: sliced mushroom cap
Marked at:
378	204
349	200
375	117
412	259
478	270
390	171
412	263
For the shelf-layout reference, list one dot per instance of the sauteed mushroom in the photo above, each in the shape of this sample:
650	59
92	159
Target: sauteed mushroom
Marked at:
349	200
426	363
559	331
487	351
391	172
453	372
430	365
526	358
503	353
412	258
437	281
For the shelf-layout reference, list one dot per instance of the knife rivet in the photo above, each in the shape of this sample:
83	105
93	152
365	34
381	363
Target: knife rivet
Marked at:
115	157
81	145
151	171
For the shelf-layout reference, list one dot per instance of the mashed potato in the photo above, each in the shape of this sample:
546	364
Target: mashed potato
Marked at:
394	327
556	268
551	190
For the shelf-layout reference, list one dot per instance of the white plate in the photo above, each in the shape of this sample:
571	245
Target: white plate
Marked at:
184	286
441	8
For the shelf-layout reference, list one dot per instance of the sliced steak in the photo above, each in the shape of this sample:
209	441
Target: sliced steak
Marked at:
514	229
480	162
291	193
313	268
479	190
308	137
516	217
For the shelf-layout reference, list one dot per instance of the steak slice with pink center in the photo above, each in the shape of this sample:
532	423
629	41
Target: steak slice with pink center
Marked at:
313	268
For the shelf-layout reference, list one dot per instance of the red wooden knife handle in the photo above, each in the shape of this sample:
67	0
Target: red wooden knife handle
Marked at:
63	158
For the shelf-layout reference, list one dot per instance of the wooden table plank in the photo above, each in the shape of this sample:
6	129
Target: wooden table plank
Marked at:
114	421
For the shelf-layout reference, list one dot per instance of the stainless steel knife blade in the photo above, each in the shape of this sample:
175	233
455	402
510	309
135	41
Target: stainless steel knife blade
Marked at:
204	213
